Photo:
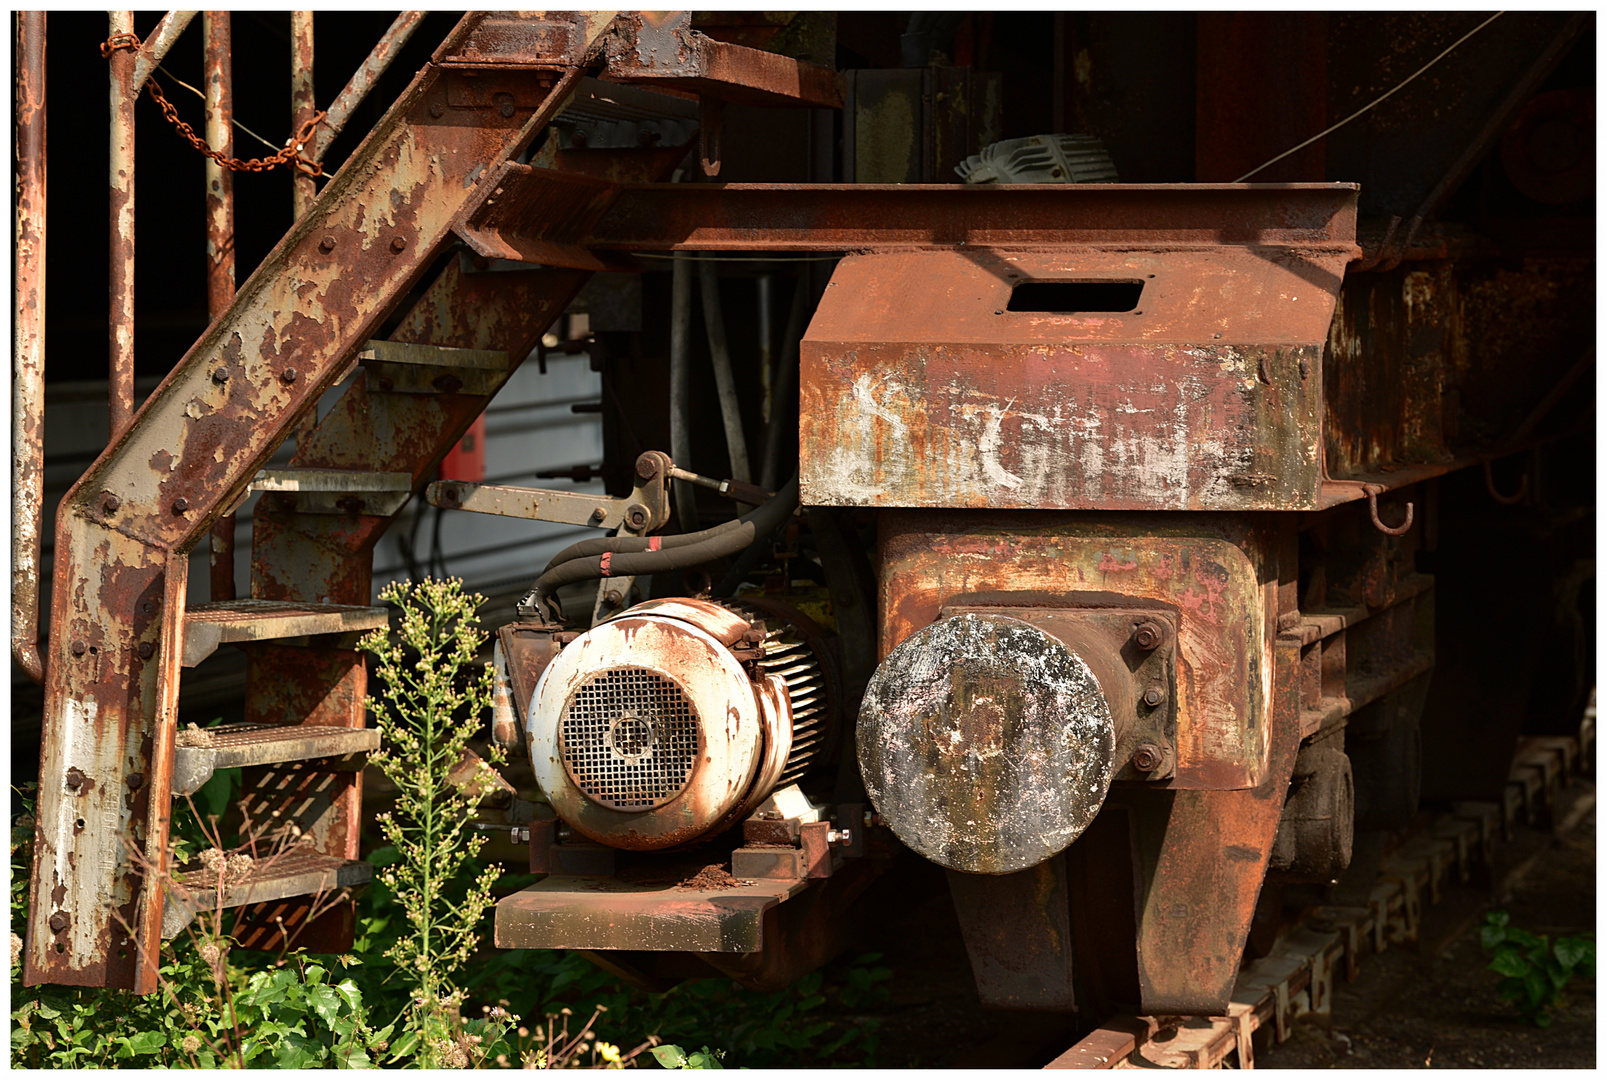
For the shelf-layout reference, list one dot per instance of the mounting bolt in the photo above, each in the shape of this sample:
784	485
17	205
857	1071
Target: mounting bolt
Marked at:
145	650
1148	757
386	383
79	648
636	516
398	243
111	503
598	513
1149	634
836	836
287	376
436	109
75	778
58	921
180	505
1154	696
452	496
220	376
647	466
134	781
326	245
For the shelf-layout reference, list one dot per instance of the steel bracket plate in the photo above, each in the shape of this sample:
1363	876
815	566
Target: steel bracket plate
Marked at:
606	913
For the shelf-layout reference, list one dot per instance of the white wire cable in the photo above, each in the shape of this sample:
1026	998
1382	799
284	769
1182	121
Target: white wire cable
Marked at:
1376	102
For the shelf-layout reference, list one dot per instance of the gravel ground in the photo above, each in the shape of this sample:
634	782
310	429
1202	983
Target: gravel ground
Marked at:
1437	1006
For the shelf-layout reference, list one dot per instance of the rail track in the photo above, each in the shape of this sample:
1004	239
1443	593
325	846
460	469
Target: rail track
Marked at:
1297	979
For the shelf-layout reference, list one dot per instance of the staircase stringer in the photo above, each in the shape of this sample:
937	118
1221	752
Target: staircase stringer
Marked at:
126	527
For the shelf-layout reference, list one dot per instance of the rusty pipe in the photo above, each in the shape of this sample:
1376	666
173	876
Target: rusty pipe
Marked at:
28	346
120	341
681	385
218	84
724	381
157	45
363	80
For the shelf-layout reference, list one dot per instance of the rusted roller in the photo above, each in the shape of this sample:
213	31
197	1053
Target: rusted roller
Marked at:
986	744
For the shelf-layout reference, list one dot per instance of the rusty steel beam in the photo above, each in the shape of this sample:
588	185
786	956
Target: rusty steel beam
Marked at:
219	88
125	529
120	342
155	47
363	80
650	48
28	346
1320	218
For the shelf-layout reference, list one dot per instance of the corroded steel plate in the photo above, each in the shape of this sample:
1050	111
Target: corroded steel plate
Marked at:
986	745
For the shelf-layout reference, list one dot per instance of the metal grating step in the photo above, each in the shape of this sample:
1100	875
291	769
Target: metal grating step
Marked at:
400	367
206	626
202	751
290	873
335	491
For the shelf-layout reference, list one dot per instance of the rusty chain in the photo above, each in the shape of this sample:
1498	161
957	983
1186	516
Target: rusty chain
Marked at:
290	155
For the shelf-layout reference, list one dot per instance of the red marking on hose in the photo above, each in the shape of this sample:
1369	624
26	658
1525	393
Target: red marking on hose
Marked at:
653	542
607	555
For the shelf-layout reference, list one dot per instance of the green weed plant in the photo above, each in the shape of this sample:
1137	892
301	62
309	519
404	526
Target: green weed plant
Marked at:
1536	970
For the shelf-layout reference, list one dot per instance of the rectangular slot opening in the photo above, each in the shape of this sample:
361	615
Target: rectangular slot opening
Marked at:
1075	297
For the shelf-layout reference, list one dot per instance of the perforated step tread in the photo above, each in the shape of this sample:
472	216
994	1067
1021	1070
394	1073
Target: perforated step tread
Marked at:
202	751
206	626
295	872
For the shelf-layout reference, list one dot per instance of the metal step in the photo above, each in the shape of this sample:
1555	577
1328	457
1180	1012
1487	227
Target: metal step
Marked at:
399	367
335	491
289	873
206	626
203	751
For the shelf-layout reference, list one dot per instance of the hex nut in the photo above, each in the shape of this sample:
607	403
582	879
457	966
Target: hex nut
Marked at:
288	375
79	648
111	504
180	505
1154	696
1148	757
636	516
146	649
326	245
1149	634
58	921
398	244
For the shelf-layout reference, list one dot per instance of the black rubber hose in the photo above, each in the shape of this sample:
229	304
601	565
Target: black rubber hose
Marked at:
629	556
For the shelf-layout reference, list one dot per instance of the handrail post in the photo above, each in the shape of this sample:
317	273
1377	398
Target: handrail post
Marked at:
121	338
28	347
219	87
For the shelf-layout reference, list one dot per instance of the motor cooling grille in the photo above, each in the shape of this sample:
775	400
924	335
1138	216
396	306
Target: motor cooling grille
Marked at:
630	738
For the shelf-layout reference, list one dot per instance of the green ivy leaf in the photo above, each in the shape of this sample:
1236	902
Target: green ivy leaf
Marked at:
1509	962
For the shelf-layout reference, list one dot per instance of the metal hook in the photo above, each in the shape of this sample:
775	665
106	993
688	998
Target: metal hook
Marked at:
1504	500
1373	492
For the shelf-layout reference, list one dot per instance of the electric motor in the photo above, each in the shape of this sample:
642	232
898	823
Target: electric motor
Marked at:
676	718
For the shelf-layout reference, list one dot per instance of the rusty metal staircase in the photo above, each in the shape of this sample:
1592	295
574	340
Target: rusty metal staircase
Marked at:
113	758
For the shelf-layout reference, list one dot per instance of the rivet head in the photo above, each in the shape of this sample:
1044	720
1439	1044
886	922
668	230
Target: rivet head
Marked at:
145	650
398	243
79	648
326	245
220	376
111	503
288	375
437	109
58	921
1154	696
180	505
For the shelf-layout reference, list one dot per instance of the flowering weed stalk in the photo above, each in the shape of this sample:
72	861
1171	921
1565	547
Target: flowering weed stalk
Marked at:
434	692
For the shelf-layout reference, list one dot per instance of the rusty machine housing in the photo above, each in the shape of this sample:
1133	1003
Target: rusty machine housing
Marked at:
1131	562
